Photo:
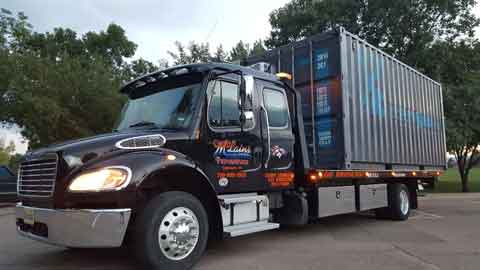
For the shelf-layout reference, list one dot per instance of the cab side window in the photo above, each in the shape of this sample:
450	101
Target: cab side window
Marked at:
277	109
223	111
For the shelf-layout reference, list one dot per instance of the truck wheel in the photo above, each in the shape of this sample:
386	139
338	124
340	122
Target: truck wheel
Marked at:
399	204
171	232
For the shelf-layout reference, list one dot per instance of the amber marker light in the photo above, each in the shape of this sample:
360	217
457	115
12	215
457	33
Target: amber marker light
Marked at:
283	75
313	177
414	173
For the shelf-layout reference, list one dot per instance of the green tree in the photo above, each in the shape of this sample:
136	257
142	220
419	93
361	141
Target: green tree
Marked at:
14	29
4	157
258	48
14	162
196	53
57	101
6	151
191	54
451	62
403	28
200	52
58	86
137	68
110	46
219	55
457	65
240	51
462	107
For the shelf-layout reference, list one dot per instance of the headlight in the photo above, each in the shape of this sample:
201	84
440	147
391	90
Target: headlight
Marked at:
106	179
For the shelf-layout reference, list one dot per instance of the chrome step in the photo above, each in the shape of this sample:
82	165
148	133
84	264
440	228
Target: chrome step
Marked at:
240	198
248	228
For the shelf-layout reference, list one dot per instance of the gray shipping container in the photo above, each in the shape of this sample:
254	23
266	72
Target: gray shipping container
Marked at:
362	108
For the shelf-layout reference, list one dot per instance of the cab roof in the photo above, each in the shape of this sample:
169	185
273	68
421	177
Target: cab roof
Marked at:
191	68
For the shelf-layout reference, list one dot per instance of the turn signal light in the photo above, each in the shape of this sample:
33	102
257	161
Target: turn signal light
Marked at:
283	75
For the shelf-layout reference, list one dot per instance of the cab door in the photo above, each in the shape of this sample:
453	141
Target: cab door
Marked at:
233	158
278	138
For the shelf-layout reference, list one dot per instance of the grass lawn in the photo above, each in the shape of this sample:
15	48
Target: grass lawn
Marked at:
450	181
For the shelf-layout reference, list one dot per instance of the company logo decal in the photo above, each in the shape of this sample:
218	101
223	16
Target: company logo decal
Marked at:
229	152
278	151
378	105
223	182
231	149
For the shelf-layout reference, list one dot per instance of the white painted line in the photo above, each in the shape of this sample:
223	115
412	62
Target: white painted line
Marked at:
422	214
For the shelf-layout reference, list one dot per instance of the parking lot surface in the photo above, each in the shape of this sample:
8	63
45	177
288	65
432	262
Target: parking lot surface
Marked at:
443	234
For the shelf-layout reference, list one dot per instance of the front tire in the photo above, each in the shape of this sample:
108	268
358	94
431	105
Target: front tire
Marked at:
171	232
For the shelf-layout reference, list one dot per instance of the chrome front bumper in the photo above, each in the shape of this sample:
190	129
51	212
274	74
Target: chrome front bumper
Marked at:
81	228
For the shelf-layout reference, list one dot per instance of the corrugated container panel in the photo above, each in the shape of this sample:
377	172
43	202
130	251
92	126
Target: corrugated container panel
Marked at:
362	108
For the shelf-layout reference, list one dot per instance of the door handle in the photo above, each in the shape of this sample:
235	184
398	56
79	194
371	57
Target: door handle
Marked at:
268	137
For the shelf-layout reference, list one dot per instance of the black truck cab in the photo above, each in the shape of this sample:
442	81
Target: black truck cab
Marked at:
194	132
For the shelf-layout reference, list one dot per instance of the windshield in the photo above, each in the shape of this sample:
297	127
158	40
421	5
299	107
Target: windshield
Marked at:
167	109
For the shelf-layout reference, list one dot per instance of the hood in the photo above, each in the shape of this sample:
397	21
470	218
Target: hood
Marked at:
77	152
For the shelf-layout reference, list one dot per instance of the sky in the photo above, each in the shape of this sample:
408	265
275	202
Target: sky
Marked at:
154	25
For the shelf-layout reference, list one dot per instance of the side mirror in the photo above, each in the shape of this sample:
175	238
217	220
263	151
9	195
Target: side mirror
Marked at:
245	100
242	93
245	93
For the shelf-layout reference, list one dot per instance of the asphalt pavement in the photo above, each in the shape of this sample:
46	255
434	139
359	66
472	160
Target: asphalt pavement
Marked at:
443	234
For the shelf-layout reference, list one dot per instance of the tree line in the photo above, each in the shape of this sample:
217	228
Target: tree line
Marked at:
61	85
436	37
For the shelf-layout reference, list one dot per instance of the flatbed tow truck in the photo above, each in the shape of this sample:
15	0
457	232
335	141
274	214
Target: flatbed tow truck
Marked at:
209	151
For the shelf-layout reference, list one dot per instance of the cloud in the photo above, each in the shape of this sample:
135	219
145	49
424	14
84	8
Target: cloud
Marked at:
155	25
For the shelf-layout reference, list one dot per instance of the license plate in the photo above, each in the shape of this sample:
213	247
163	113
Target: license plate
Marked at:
29	216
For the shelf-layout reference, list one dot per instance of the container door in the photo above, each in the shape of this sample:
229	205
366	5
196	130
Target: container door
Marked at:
278	138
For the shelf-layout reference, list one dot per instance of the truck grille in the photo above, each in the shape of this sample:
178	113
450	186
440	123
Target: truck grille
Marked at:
36	178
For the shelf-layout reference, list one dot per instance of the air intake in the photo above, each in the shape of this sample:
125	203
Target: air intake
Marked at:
142	142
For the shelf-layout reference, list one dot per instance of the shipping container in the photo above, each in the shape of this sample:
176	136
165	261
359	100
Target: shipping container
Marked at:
362	108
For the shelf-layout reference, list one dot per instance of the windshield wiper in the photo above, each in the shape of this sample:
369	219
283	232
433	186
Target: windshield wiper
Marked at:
143	124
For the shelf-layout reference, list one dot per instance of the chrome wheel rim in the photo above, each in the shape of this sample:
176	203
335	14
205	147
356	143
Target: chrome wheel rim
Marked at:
178	233
404	202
